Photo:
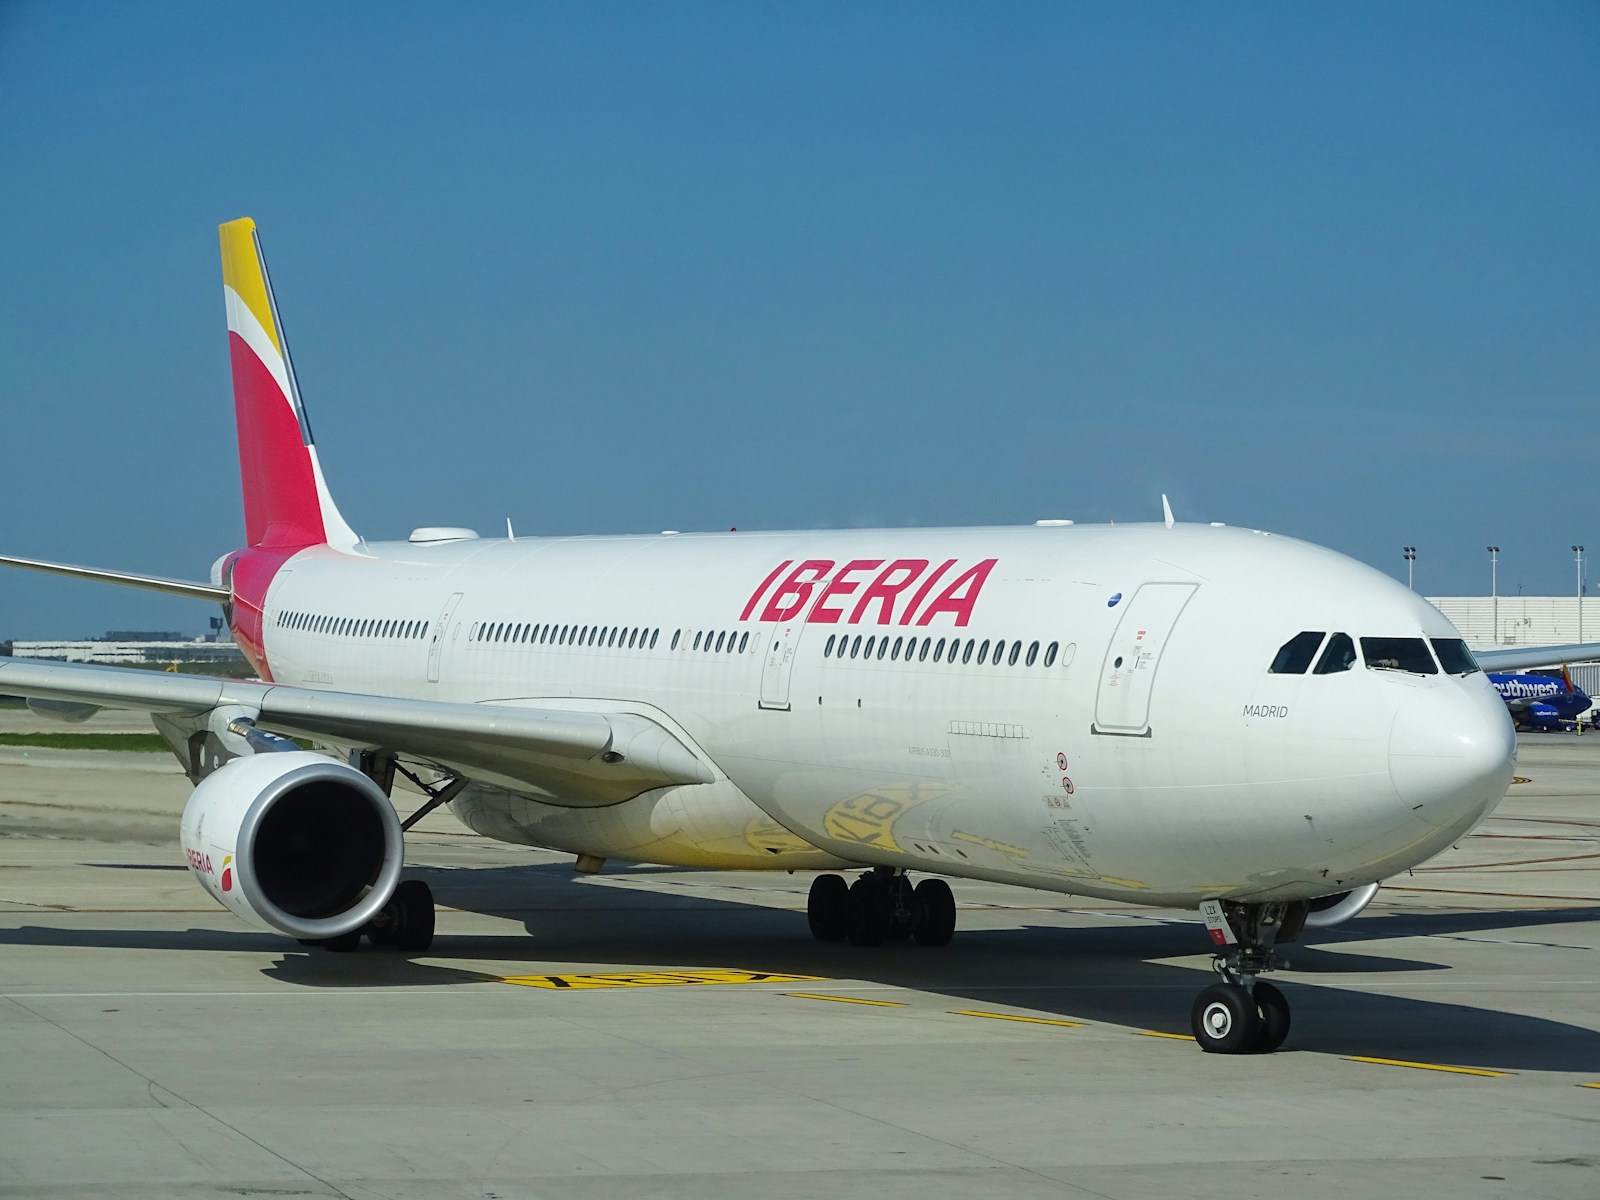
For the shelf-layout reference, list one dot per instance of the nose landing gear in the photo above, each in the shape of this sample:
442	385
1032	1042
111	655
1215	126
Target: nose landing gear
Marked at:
881	906
1243	1014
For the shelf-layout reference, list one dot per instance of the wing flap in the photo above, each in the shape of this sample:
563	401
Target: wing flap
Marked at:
583	759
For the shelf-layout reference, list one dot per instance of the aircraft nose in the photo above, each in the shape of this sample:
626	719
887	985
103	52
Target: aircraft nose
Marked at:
1451	752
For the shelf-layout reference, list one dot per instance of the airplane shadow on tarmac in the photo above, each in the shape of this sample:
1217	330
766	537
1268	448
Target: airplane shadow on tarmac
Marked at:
1114	973
1118	973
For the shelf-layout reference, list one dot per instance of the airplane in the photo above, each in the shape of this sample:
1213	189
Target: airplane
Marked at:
1179	715
1540	701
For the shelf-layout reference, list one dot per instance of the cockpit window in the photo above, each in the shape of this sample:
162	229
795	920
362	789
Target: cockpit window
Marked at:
1297	653
1398	654
1339	656
1454	656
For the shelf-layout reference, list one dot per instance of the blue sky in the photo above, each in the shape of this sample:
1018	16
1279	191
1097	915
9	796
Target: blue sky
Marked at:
1329	270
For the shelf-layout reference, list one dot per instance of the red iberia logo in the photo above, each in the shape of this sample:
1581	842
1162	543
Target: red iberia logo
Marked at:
871	591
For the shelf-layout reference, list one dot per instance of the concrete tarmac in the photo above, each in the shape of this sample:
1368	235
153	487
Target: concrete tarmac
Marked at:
153	1046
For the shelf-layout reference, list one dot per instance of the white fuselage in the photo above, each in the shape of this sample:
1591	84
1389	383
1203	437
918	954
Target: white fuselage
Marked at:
1153	757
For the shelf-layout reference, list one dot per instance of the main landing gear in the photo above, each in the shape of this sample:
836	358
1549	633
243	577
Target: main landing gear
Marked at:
1243	1014
881	906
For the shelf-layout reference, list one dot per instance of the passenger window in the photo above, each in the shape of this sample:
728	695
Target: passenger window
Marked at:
938	651
1016	650
1454	656
744	641
1295	655
1340	655
966	655
697	641
1398	654
895	653
654	634
883	646
999	652
720	636
922	655
827	651
676	634
855	646
867	652
983	651
1050	654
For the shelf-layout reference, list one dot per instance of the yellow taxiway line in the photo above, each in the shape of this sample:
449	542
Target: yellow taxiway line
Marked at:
845	999
1422	1066
993	1016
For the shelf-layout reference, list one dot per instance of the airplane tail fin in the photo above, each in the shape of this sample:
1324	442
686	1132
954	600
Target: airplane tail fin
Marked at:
286	499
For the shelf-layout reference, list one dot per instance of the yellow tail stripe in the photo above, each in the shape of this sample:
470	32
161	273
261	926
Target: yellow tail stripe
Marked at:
241	271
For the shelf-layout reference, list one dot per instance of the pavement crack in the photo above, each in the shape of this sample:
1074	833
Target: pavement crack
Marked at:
152	1087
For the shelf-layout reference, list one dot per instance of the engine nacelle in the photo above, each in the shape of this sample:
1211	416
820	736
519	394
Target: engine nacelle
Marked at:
294	842
1327	911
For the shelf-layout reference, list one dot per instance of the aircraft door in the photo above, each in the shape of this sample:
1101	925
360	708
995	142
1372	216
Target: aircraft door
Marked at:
1122	706
782	643
441	629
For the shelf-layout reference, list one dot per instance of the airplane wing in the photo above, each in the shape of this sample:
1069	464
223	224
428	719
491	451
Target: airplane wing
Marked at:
153	583
1518	658
582	759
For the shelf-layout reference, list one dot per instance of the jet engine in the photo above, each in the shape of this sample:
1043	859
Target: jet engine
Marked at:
294	842
1327	911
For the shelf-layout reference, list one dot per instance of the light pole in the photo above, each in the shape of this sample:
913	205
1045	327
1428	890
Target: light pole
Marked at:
1494	590
1578	550
1411	560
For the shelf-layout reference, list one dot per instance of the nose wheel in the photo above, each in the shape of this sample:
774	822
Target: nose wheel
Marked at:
1244	1014
1229	1018
881	906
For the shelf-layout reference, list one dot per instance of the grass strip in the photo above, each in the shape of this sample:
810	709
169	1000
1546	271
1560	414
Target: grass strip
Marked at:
144	743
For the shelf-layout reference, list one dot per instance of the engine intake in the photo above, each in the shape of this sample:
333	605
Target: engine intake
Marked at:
1327	911
295	842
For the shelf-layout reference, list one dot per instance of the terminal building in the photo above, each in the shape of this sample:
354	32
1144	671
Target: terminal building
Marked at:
1505	622
130	648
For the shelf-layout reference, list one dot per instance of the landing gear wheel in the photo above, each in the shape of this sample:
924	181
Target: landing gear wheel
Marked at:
828	908
1274	1012
871	911
414	900
1224	1019
904	916
936	913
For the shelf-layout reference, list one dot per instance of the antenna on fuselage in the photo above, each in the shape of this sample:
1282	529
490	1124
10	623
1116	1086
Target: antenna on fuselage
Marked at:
1166	510
511	537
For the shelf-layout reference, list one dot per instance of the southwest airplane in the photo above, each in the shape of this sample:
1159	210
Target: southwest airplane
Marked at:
1541	702
1174	715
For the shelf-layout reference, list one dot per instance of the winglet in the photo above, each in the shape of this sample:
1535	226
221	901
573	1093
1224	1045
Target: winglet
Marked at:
1166	510
286	499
